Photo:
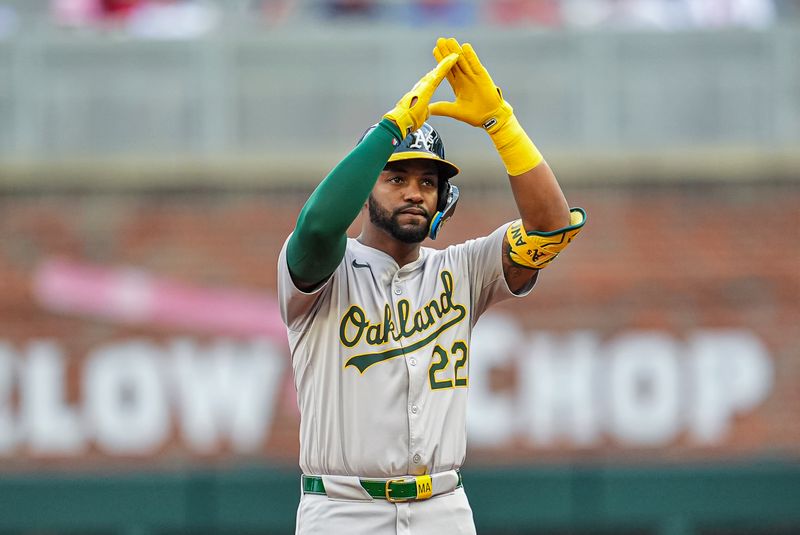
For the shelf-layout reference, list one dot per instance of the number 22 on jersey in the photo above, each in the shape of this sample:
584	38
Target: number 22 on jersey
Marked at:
440	375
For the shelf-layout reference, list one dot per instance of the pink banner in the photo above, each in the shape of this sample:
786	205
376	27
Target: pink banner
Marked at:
134	297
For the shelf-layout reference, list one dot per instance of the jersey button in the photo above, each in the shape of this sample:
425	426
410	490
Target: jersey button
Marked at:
413	362
416	458
414	409
397	291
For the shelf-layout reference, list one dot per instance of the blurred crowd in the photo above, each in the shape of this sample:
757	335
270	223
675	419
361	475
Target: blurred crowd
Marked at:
187	18
663	14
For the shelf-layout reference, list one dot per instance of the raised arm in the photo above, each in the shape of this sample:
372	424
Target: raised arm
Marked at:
318	242
546	223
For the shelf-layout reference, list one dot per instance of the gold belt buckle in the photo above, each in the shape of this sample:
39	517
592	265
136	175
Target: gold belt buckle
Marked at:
389	491
422	484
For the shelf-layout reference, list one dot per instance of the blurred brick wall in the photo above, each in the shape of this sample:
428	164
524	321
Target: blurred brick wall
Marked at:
666	258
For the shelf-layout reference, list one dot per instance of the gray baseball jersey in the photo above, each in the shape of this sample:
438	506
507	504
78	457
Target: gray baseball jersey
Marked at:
381	357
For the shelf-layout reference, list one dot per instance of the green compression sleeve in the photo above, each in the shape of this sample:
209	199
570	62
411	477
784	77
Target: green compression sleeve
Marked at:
317	244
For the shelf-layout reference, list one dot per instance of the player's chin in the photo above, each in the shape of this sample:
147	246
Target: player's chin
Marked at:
411	232
412	225
410	221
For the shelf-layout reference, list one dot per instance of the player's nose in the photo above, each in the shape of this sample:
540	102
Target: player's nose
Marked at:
413	193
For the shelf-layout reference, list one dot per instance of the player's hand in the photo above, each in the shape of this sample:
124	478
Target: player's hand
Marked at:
479	101
412	110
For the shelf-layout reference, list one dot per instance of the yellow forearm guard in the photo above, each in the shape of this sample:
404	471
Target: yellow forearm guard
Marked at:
515	148
536	250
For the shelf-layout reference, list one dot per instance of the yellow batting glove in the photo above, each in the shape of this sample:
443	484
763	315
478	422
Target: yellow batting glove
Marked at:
412	109
478	99
479	102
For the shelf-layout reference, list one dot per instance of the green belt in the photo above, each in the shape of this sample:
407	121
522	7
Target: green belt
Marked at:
394	490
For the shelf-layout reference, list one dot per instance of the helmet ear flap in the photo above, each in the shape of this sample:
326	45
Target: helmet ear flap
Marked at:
446	209
441	199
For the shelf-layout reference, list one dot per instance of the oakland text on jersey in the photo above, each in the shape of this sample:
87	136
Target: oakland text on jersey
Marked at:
433	318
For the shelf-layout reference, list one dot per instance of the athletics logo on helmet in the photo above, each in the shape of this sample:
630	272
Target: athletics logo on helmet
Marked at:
426	144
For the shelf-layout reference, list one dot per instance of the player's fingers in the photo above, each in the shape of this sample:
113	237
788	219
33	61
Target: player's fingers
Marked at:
471	59
450	46
438	54
428	83
453	46
441	47
443	108
443	50
433	77
444	66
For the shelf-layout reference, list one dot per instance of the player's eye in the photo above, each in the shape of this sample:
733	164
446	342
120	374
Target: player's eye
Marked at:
428	182
396	179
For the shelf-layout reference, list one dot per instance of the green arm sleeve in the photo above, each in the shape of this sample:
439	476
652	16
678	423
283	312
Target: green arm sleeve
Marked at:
317	244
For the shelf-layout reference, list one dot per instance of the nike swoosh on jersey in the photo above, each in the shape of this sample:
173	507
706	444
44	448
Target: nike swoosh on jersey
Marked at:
357	264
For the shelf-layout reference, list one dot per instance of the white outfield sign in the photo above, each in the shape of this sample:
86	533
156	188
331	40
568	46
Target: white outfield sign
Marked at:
133	393
570	390
639	388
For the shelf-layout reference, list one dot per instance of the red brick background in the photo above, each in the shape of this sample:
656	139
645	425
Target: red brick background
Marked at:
668	258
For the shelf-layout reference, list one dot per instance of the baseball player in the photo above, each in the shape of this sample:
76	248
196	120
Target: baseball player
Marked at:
379	327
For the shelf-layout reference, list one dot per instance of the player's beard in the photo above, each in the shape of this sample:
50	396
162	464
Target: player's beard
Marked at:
382	218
